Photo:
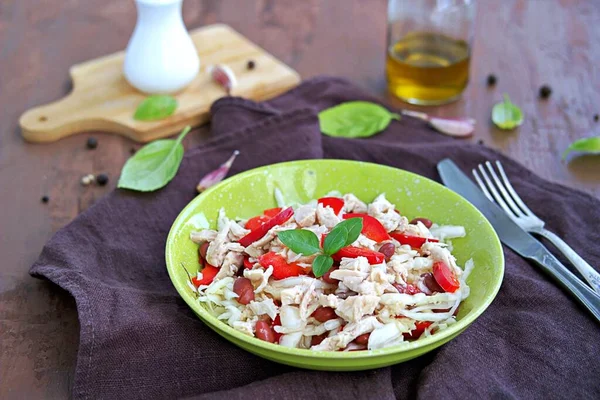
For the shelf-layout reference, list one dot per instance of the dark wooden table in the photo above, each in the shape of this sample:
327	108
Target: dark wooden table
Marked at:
526	43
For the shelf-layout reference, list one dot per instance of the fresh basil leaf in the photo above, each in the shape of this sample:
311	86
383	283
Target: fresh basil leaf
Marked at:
300	241
343	234
321	264
507	115
154	165
355	119
155	107
589	145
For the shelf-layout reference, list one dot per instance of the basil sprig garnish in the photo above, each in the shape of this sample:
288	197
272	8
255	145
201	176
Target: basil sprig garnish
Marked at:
305	242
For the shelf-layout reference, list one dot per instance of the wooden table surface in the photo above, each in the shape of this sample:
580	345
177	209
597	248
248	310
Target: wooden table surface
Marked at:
525	43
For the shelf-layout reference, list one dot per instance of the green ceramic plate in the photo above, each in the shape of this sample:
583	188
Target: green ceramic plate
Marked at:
247	194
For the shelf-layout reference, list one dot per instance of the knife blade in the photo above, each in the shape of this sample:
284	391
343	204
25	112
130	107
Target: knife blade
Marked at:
513	236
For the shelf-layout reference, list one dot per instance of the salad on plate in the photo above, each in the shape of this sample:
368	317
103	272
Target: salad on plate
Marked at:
335	274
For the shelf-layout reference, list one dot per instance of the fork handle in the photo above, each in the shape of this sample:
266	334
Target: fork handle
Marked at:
586	270
583	294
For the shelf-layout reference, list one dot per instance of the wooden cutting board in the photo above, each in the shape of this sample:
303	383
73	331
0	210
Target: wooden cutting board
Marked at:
102	100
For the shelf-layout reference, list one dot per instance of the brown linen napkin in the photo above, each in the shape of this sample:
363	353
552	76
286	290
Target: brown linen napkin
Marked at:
140	340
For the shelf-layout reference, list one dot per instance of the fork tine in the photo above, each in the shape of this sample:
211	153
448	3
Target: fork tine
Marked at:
512	191
518	212
482	185
495	193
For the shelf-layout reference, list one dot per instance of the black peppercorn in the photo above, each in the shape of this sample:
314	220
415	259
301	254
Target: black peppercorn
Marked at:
132	150
92	143
45	199
251	64
480	142
545	91
596	117
491	80
101	179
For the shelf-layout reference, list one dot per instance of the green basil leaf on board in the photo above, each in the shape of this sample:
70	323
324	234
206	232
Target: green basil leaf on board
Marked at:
321	264
155	107
507	115
355	119
589	145
300	241
154	165
343	234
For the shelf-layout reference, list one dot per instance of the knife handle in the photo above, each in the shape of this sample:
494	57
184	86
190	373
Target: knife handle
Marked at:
583	294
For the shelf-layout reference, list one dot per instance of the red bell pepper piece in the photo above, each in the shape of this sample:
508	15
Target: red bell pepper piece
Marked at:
255	222
445	277
420	327
413	241
372	228
276	322
373	257
247	263
271	212
262	230
334	202
208	275
281	268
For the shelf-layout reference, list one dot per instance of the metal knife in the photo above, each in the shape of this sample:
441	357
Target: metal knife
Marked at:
516	238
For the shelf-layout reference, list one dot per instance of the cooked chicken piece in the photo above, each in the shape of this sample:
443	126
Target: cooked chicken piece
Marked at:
380	205
355	307
343	291
305	215
329	300
353	204
351	331
309	302
363	241
326	216
318	230
360	264
207	235
264	307
292	295
215	254
236	231
259	277
232	262
256	249
276	286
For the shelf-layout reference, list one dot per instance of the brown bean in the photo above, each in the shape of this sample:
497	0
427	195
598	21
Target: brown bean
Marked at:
424	221
363	339
431	283
323	314
388	250
315	340
203	249
244	289
263	331
329	279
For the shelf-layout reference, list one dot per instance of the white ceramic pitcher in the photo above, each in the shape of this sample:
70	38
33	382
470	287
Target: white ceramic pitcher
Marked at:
160	56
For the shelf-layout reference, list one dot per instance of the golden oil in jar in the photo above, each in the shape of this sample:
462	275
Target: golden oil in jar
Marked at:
428	68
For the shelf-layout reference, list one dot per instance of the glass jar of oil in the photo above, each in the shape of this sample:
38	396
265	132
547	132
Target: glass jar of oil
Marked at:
429	49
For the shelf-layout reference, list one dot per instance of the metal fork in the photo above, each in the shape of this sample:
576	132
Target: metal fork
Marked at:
502	192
